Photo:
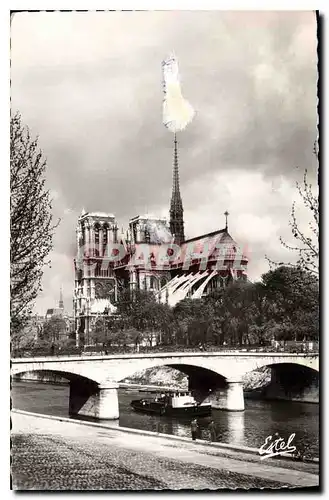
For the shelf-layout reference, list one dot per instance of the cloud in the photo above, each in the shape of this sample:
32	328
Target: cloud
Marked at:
259	213
89	84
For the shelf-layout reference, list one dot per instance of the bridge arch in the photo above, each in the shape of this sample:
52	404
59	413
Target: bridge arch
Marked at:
67	375
227	366
311	363
207	384
202	381
189	369
87	396
292	381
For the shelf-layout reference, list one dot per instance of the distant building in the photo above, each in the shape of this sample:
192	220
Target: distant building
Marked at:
59	312
56	311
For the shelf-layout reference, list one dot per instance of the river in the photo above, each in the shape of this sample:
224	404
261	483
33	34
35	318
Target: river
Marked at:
249	428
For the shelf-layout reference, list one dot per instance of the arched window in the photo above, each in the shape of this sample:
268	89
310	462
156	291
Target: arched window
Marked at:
96	240
154	282
98	269
105	242
82	235
115	234
163	282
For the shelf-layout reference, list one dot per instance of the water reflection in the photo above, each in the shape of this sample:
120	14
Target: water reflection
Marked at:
235	426
248	428
170	426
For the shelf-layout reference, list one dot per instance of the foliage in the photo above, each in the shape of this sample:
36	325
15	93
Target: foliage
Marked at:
282	306
25	338
55	329
139	311
294	297
31	224
193	322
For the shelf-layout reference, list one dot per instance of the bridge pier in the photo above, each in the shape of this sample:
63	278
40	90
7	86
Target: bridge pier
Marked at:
225	395
94	401
234	395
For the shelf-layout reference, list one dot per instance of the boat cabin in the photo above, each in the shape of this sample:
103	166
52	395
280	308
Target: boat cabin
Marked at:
175	399
179	399
168	402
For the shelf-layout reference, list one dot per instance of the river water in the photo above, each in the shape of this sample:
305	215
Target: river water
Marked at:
249	428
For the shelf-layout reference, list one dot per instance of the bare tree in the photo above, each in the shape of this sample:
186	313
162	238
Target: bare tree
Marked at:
307	245
30	222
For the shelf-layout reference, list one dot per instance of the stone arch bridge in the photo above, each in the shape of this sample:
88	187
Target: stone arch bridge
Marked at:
94	380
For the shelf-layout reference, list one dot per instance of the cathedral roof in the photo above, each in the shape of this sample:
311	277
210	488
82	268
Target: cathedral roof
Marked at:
56	311
207	235
217	245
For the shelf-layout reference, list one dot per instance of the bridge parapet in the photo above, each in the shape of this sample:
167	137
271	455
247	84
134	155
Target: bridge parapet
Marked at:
130	350
117	367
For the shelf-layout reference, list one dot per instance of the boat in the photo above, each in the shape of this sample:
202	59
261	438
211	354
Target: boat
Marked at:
176	403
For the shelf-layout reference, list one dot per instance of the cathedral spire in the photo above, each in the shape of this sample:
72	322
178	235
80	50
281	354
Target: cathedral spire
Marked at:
176	205
61	302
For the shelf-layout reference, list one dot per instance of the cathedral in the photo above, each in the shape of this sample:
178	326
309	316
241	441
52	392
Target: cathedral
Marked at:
151	255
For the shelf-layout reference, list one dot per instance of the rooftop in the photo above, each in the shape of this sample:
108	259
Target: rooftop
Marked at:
214	233
96	214
55	311
212	245
148	217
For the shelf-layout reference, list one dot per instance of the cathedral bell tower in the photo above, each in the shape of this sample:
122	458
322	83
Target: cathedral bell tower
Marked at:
95	283
176	204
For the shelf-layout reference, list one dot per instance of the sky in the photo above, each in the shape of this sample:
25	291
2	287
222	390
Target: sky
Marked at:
89	85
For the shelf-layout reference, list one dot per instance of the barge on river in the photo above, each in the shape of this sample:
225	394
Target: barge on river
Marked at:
177	403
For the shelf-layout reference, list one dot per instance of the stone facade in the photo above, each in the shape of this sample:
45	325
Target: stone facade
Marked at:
95	283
